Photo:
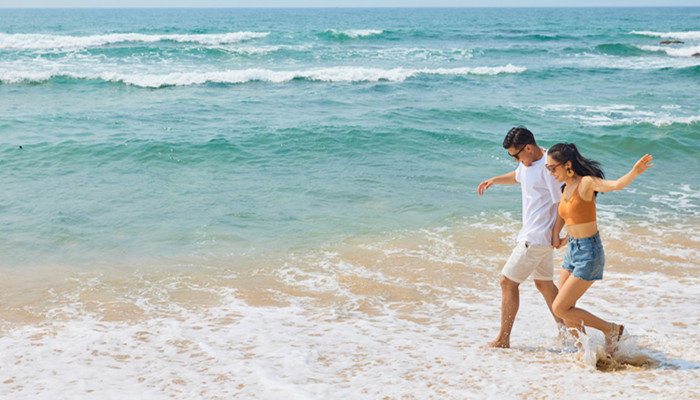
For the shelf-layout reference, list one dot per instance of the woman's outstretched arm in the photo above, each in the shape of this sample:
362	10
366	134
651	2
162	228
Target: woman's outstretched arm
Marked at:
591	184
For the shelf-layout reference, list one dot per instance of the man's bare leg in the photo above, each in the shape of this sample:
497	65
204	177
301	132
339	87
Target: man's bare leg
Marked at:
549	292
510	302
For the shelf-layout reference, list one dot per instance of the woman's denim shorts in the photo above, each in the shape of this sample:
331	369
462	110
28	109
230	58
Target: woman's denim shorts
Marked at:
585	258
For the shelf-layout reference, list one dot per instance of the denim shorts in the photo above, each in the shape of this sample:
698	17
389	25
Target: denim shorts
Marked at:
585	258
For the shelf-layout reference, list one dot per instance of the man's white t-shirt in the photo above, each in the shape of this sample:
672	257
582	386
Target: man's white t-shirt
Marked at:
541	195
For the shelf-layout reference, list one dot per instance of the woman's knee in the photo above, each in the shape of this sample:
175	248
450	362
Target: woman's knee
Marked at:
559	308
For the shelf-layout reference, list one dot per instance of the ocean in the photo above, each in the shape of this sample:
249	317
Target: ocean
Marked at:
282	203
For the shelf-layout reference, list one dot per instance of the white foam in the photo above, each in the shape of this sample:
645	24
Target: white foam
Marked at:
413	53
656	120
356	33
685	201
689	35
686	51
335	74
620	115
587	108
597	61
322	337
28	41
250	50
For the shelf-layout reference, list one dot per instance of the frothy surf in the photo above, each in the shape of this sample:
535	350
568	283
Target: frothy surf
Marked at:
621	115
686	51
353	33
29	41
368	318
336	74
689	35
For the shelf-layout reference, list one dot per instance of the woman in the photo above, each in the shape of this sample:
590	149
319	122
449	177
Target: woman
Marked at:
585	258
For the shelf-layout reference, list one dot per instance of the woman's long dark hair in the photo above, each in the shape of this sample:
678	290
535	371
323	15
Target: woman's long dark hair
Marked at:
563	152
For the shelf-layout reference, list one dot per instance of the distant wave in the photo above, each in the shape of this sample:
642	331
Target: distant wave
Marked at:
687	51
676	35
619	115
619	49
600	62
336	74
537	37
657	121
350	34
30	41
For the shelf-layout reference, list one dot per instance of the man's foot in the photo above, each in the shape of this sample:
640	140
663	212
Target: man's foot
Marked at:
613	337
499	343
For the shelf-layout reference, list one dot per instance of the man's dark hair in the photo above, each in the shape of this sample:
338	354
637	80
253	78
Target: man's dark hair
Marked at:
517	136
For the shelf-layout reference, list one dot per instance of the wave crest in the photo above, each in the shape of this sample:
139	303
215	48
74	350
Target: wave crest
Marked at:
620	115
350	34
35	41
337	74
688	51
676	35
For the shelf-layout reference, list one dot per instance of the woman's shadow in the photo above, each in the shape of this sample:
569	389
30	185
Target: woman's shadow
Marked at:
632	356
628	356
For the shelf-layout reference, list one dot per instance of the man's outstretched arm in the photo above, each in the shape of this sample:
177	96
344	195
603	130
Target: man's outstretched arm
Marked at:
507	179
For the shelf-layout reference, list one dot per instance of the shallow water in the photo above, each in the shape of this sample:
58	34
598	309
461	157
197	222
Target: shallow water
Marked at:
396	317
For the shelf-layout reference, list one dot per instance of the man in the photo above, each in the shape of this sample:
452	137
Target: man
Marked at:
533	255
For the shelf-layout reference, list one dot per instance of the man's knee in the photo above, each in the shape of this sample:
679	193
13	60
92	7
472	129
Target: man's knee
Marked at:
545	286
508	285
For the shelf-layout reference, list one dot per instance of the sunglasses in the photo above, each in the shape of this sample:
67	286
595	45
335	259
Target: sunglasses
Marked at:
551	168
516	156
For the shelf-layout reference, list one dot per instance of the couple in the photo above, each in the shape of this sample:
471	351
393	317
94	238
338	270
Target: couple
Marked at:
558	187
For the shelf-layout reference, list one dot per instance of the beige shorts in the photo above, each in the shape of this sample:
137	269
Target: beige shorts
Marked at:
530	259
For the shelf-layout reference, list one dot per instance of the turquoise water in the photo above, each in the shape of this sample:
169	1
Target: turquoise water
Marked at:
266	204
131	134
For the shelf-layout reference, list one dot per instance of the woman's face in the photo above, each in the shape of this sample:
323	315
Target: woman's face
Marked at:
556	169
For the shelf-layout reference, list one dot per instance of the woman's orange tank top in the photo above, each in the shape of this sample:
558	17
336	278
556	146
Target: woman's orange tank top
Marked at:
576	210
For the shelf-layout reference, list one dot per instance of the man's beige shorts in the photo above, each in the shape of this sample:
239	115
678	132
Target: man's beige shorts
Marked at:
530	259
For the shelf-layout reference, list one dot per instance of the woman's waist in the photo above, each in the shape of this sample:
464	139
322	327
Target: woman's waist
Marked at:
583	231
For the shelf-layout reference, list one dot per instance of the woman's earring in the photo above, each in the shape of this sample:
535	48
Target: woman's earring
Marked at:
569	172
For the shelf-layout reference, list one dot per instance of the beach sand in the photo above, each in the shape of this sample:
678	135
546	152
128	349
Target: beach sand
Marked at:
405	316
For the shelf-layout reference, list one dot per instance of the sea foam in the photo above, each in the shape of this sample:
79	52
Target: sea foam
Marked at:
676	35
36	41
687	51
334	74
373	320
620	115
355	33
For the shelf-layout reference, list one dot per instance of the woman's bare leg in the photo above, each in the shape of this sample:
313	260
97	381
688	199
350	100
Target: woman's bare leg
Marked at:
571	289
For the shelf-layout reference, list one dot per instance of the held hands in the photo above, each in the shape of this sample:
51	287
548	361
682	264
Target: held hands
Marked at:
558	242
643	164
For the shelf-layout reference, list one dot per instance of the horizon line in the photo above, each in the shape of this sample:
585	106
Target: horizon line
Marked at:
317	7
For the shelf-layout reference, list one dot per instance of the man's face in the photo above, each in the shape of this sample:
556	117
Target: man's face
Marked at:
522	153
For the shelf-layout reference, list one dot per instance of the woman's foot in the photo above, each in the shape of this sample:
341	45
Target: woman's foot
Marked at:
613	337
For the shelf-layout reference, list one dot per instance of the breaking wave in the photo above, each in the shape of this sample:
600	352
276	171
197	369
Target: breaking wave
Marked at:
37	41
335	74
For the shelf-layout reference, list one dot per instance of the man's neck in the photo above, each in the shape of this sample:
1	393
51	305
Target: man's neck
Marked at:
538	154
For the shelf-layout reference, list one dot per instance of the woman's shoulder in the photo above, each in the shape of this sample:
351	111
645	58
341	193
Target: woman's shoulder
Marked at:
586	187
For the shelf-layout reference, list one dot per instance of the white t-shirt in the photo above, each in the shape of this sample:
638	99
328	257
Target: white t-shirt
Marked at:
541	195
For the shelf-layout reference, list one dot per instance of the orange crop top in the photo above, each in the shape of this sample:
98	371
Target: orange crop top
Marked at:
576	210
